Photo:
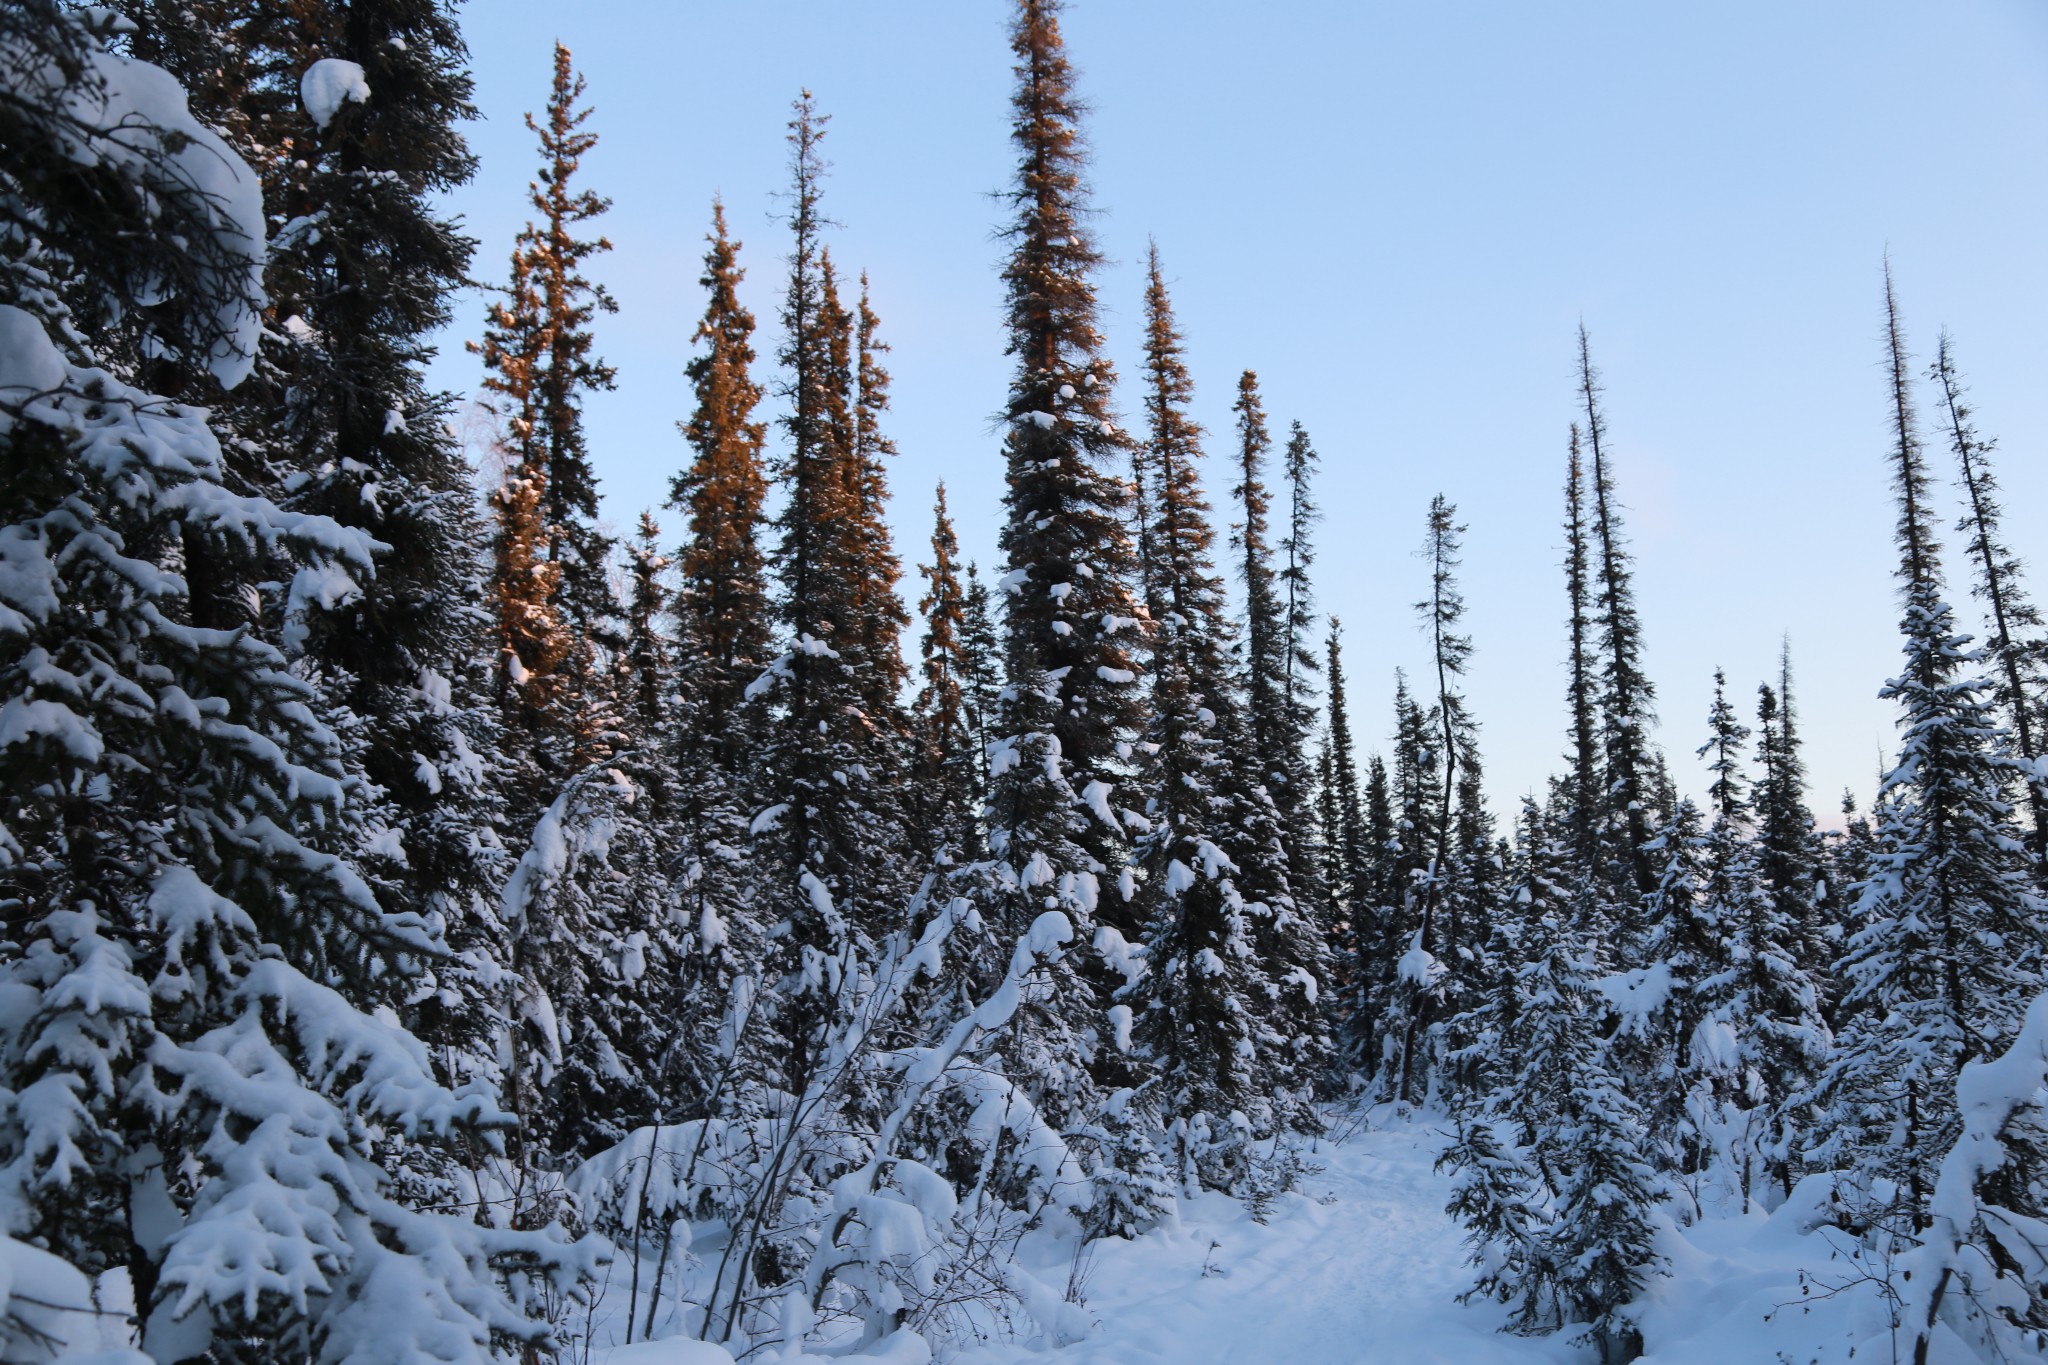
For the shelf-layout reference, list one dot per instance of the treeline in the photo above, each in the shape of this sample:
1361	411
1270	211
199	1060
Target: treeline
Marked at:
414	901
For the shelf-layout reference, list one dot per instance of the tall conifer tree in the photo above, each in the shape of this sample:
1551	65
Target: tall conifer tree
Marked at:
358	276
723	493
541	354
2016	649
1626	693
947	767
1193	1015
1071	617
1301	666
1456	740
1582	784
828	824
1949	936
878	617
1266	623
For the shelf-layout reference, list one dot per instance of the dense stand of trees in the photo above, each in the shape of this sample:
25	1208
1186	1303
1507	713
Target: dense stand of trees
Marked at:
412	900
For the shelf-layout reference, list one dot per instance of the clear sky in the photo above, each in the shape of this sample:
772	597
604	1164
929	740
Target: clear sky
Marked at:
1398	215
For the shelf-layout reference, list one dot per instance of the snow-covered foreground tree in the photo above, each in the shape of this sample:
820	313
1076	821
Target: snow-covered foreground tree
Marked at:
1982	1264
202	1093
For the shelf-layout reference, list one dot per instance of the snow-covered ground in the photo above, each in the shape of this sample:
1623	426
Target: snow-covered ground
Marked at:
1360	1265
1363	1265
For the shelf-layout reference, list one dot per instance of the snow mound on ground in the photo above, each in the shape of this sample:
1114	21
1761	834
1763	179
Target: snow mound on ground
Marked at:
330	83
674	1351
47	1311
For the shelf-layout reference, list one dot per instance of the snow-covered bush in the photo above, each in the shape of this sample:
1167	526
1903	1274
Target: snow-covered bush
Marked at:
838	1232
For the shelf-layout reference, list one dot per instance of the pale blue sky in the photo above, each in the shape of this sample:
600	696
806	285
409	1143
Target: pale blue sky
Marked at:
1398	215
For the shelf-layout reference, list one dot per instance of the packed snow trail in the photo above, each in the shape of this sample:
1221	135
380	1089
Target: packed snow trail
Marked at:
1361	1264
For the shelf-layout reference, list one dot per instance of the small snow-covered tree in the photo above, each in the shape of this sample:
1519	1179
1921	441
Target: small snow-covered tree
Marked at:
1503	1208
1790	851
1602	1237
593	968
1982	1264
1575	1242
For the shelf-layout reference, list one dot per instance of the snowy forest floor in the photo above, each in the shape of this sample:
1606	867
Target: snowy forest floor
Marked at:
1362	1264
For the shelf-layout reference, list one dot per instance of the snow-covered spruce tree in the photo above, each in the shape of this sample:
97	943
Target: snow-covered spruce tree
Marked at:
190	993
1503	1208
878	615
981	676
334	418
1948	934
1300	665
1706	876
1578	1130
1773	1006
541	354
1476	889
2016	647
1359	836
1198	1014
1626	695
1602	1236
1653	1004
1739	1034
1524	1042
1982	1265
1848	863
1581	788
722	493
1789	848
606	861
1069	712
594	963
590	944
947	766
1534	876
1343	808
827	835
646	656
1265	742
713	893
1425	974
1389	964
353	115
722	623
1266	642
1070	616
